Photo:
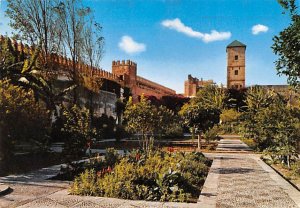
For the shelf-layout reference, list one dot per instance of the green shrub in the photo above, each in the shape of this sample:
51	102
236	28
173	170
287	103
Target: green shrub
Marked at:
159	176
111	157
76	129
85	184
211	134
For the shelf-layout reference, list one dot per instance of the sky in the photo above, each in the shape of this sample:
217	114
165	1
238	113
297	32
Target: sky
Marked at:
170	39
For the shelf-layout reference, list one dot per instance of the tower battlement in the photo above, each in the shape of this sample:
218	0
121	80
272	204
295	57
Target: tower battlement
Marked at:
123	63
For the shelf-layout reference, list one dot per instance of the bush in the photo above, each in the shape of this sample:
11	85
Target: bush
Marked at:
211	134
158	176
76	130
22	119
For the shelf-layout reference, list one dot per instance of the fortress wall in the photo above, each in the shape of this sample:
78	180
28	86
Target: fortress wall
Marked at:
123	72
155	86
65	64
127	70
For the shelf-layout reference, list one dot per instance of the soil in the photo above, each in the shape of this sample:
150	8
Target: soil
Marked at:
286	173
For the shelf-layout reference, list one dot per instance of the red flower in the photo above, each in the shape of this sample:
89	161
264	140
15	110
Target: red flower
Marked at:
137	156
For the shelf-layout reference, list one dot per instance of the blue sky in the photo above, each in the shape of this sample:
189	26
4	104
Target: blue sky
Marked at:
170	39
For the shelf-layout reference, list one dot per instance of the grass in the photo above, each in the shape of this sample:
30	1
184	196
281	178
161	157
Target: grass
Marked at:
289	174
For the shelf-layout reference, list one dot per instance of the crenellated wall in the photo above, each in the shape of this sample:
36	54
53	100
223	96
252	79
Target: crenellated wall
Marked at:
127	71
123	72
65	64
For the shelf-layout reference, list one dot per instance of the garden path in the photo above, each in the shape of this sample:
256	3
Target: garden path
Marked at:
237	178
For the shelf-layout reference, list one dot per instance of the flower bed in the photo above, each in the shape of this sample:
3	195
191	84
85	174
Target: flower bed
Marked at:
155	176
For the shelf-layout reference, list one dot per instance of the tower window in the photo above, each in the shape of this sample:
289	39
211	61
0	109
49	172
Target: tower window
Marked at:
236	72
236	57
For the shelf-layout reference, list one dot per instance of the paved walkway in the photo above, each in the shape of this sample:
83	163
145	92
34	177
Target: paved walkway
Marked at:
235	179
243	180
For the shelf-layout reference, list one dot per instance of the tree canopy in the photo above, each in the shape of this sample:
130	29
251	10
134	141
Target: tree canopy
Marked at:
287	45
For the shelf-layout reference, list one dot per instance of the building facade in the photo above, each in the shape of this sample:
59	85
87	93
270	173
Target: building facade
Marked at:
236	65
193	84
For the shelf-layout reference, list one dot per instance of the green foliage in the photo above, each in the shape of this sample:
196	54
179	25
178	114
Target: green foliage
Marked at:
211	134
230	121
85	184
105	126
203	111
111	157
159	176
272	123
229	115
211	97
22	118
287	45
76	129
141	117
200	118
148	120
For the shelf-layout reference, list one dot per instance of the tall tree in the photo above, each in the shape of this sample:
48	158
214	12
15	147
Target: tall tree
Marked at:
93	48
34	22
287	45
72	20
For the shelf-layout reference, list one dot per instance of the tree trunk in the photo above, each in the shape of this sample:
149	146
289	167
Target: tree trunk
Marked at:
199	141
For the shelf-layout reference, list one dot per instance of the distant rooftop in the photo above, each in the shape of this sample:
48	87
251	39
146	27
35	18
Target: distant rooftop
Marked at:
236	43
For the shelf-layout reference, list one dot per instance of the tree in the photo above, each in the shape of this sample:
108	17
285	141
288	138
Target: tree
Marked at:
279	130
229	118
257	99
141	118
148	120
76	129
287	45
272	122
198	117
35	22
25	72
211	96
73	18
203	111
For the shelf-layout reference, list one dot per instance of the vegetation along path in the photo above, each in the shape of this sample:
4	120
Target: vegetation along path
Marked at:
239	178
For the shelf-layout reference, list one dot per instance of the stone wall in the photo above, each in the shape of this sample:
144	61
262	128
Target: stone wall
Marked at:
123	72
127	72
193	84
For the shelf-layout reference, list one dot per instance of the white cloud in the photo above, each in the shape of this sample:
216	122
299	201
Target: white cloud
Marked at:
256	29
177	25
128	45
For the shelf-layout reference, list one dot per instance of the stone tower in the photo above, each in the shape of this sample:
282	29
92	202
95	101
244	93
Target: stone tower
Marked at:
127	71
236	66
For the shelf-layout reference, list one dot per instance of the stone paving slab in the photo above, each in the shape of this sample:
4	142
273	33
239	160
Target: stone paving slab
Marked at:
231	145
3	189
244	180
23	194
62	199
